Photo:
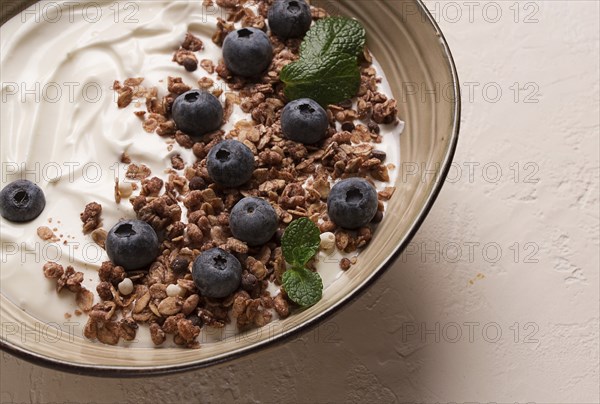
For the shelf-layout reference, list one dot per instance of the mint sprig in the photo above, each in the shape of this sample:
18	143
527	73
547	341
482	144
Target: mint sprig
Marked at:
327	70
303	286
333	35
327	81
299	243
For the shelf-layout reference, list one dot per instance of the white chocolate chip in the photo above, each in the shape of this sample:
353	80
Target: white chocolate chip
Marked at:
125	287
327	241
175	290
125	189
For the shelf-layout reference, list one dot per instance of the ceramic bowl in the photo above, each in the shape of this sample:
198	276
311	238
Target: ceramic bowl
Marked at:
415	57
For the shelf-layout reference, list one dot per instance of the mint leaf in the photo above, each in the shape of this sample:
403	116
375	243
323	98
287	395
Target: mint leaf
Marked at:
333	35
327	70
303	286
332	79
300	241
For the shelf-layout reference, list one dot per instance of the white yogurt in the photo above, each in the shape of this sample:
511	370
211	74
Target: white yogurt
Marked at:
61	128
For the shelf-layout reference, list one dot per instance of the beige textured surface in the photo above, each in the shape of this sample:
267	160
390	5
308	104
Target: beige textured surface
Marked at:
528	322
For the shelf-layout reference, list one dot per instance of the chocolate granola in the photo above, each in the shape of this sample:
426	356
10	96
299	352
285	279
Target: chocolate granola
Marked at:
294	178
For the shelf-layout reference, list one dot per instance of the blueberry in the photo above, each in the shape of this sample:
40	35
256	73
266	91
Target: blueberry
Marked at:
216	273
289	18
132	244
21	201
230	163
304	121
352	203
197	112
253	220
247	52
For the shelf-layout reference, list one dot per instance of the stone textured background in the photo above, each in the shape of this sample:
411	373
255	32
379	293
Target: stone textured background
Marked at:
497	297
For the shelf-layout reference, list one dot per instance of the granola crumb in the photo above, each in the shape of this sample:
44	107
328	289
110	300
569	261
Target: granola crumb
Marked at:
345	264
223	28
125	159
387	193
84	299
116	191
69	278
176	86
177	162
108	272
127	328
208	65
135	172
53	270
125	96
192	43
91	217
281	306
105	290
99	236
46	234
157	334
379	155
187	59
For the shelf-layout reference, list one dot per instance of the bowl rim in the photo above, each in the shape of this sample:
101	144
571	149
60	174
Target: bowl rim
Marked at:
139	372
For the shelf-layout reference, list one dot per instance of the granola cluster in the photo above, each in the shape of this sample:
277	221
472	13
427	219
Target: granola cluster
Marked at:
185	55
91	217
71	280
294	178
